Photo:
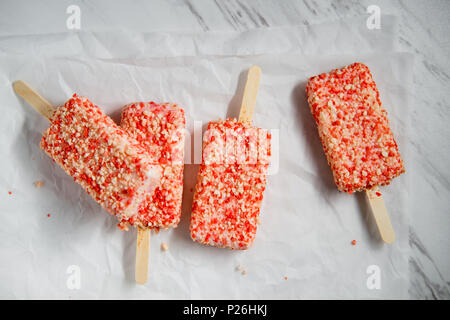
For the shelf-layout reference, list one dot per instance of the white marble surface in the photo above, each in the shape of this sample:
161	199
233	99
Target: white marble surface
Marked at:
423	31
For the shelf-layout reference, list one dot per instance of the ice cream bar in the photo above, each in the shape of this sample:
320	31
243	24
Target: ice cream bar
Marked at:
230	185
159	128
110	165
354	128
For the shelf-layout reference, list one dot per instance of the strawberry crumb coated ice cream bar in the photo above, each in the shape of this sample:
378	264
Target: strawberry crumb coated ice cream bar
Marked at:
354	128
230	185
159	128
110	165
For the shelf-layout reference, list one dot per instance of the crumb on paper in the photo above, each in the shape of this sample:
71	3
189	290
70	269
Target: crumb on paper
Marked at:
240	267
354	242
38	184
164	246
244	272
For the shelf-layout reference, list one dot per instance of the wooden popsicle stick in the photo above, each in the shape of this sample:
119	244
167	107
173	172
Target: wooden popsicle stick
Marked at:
250	92
33	98
142	254
381	215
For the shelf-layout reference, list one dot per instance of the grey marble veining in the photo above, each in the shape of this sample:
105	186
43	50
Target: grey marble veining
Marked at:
424	31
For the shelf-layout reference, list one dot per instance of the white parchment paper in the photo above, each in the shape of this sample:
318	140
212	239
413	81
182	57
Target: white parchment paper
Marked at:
303	245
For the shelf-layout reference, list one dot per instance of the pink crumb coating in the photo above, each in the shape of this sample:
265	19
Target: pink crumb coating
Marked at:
160	130
354	128
230	184
111	166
